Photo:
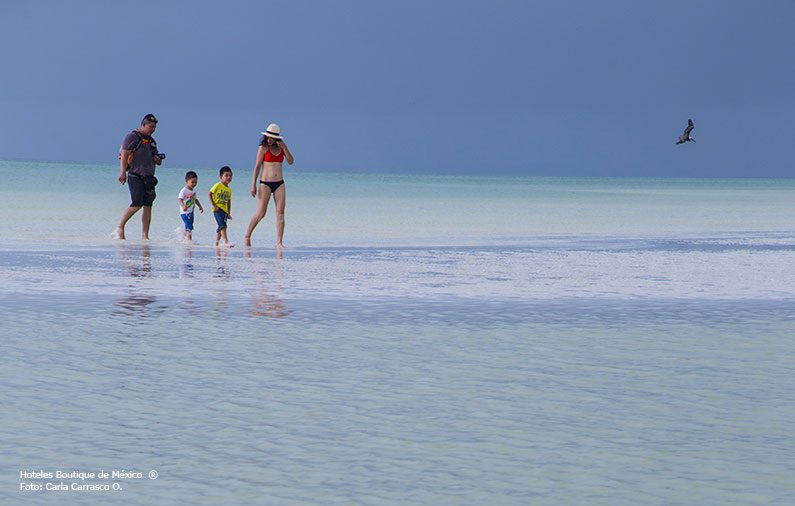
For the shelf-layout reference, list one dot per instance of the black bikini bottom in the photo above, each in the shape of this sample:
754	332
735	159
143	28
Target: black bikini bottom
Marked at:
272	184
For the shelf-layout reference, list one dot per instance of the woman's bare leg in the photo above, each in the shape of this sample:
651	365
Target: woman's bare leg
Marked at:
279	198
262	206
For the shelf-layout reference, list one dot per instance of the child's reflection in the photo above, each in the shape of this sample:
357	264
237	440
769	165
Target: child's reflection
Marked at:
187	263
221	269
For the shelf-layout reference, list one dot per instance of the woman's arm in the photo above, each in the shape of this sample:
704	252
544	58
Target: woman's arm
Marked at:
287	153
257	167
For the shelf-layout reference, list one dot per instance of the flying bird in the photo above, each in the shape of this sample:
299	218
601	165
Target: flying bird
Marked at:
685	137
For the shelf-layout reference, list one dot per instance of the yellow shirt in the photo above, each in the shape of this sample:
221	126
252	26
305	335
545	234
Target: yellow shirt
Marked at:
222	195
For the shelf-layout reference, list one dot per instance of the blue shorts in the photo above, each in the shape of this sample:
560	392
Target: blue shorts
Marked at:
220	218
187	218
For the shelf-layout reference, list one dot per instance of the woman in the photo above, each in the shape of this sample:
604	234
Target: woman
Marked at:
270	155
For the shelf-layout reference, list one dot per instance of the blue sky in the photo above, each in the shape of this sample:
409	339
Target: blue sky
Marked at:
501	87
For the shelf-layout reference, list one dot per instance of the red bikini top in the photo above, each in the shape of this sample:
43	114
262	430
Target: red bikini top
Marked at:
270	157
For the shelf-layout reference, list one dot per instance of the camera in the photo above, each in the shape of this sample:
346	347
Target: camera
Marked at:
153	147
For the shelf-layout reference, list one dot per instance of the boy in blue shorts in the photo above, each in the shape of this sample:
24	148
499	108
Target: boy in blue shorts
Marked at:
187	199
221	199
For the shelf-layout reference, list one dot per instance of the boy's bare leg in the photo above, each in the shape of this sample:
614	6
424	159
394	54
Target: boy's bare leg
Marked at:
128	213
217	238
146	220
226	239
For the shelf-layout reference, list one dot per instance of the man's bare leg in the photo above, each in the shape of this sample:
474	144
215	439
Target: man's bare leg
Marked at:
146	220
128	213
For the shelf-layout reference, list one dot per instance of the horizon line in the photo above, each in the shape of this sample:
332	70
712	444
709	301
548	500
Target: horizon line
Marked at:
430	174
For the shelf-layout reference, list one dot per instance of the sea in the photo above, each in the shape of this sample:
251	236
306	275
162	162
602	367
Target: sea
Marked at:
422	340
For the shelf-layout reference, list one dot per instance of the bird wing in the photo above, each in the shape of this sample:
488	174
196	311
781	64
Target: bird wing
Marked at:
689	128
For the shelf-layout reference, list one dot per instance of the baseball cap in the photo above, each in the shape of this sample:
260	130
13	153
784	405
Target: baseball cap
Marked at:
149	118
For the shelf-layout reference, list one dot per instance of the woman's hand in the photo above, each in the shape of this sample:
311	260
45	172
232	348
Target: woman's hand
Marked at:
254	189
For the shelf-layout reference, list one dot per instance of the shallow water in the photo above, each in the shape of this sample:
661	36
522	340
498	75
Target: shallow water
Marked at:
67	204
543	363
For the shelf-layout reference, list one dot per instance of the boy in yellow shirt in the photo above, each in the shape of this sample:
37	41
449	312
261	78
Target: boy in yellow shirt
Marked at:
221	200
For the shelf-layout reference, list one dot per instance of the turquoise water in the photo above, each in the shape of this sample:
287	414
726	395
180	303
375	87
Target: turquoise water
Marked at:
438	340
81	204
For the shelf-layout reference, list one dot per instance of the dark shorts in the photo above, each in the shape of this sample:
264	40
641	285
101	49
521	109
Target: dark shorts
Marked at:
187	219
142	190
220	218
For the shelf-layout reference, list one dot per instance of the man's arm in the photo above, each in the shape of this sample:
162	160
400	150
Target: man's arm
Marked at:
123	166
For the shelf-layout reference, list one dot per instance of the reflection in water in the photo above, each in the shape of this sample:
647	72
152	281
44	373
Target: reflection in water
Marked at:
249	253
220	288
186	273
270	306
266	302
187	262
135	304
259	285
221	269
138	263
140	267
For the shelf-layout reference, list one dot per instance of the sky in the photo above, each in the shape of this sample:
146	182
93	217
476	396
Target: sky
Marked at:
515	88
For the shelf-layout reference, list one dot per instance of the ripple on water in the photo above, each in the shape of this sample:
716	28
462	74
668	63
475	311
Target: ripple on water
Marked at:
254	389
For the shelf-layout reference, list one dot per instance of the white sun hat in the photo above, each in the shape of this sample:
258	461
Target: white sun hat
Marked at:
273	130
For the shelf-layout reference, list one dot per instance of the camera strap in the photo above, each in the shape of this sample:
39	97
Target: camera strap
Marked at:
131	156
140	140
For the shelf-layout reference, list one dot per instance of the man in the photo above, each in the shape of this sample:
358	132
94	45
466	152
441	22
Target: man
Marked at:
137	159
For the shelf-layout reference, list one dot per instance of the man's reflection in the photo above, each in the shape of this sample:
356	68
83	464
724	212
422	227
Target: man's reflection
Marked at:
138	264
137	261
